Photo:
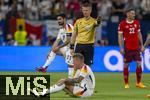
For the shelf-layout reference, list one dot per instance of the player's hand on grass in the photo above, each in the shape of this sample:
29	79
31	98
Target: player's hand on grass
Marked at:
122	51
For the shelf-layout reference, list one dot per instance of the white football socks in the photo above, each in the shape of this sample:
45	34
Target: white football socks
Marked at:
50	58
56	88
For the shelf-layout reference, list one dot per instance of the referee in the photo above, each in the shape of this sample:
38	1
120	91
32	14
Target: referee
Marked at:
84	34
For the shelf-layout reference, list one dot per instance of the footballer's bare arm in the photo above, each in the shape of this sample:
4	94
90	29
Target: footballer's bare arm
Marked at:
73	40
74	35
140	38
74	80
141	41
67	41
120	42
55	45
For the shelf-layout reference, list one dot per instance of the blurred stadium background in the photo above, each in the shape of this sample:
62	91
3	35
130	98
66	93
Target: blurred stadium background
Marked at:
38	20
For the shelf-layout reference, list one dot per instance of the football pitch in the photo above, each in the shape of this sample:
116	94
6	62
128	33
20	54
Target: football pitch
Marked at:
109	86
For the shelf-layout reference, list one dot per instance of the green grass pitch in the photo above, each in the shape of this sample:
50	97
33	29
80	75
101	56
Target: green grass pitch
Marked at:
109	86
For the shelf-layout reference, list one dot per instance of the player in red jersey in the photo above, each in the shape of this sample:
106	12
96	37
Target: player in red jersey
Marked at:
131	44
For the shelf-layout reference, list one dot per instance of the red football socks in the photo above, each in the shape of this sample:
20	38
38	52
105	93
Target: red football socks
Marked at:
126	75
138	74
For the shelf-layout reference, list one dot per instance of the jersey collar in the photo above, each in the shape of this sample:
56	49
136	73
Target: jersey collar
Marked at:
129	22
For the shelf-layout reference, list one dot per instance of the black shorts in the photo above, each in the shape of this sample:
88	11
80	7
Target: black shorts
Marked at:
88	52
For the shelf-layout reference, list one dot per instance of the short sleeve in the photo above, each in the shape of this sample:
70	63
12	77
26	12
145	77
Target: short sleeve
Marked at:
69	30
120	28
138	26
84	71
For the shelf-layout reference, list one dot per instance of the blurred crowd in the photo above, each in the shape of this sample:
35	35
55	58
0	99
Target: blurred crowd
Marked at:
48	9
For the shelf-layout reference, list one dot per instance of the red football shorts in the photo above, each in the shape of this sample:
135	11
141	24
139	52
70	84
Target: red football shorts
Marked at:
132	55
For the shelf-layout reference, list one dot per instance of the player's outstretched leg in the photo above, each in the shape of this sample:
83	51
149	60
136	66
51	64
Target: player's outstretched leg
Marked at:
49	59
126	75
139	76
69	61
61	85
53	89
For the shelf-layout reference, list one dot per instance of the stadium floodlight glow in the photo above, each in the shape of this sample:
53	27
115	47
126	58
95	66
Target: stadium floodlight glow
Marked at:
113	67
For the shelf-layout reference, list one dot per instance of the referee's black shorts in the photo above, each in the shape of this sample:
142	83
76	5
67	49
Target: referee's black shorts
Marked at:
88	52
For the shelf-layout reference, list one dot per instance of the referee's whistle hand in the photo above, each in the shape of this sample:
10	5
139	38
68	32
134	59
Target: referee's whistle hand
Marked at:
99	19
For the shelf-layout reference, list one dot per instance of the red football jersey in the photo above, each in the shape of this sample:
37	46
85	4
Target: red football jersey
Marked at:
130	34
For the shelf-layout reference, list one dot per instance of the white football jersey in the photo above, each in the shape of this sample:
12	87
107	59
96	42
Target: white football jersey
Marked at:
89	78
64	32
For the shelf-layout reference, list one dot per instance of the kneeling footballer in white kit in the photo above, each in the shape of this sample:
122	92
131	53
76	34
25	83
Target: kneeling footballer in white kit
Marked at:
81	85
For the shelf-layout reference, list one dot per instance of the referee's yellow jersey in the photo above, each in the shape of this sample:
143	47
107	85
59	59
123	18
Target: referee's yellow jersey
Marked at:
85	29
